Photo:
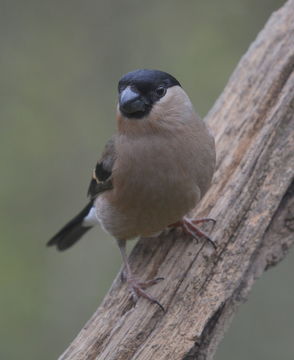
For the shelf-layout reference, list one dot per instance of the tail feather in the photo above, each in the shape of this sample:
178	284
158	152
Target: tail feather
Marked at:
72	231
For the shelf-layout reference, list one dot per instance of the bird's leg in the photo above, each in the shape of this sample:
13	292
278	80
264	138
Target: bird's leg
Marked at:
189	227
136	287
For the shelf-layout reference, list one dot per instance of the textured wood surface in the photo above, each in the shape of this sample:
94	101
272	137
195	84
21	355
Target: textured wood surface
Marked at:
252	198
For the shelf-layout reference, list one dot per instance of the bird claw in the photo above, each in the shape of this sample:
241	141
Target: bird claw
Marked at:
189	227
137	290
202	220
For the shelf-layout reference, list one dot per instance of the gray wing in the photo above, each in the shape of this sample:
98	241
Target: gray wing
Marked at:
101	180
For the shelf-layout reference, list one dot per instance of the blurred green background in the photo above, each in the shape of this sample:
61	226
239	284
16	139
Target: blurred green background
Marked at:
60	63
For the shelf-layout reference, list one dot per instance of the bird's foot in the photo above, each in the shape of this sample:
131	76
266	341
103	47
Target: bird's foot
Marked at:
189	227
137	288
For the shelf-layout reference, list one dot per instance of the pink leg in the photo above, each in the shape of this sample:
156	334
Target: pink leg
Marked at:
136	287
190	228
202	220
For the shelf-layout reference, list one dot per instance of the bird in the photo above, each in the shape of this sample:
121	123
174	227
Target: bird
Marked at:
153	171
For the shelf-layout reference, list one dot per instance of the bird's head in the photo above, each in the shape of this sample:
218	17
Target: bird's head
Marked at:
151	99
140	90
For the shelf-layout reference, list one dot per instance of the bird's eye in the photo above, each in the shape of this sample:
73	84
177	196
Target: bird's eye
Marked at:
160	91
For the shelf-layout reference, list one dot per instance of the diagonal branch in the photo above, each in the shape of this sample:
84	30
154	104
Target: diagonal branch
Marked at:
252	200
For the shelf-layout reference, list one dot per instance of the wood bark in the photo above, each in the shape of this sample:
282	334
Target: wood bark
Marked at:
252	199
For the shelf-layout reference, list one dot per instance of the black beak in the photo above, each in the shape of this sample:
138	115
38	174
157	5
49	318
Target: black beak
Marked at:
130	102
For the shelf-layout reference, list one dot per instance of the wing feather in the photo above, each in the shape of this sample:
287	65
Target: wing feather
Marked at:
101	179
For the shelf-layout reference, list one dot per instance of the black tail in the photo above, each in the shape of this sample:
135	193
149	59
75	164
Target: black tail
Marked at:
72	231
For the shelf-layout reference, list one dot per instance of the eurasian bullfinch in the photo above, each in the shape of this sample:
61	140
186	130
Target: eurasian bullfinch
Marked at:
153	171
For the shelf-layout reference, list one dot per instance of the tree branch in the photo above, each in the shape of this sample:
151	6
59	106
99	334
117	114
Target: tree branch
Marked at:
252	200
